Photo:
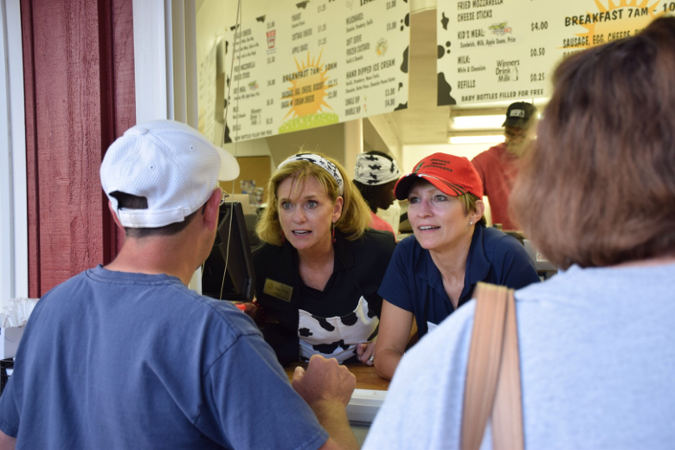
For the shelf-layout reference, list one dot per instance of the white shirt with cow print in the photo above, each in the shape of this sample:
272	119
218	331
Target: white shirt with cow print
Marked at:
337	336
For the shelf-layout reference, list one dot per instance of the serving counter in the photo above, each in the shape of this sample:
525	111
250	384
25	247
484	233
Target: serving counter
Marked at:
366	378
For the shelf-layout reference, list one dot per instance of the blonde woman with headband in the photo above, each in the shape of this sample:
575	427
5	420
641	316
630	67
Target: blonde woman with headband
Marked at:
320	266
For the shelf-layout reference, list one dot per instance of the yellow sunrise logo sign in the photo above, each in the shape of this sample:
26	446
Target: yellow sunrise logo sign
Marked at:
306	97
615	20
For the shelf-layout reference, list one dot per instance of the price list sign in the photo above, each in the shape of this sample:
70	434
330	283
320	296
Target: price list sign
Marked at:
504	50
298	65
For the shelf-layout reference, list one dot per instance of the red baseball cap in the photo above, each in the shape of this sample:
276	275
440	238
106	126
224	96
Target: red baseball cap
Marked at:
452	175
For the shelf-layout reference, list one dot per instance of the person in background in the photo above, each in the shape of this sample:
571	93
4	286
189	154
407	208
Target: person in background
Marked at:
597	195
498	166
318	272
375	175
126	356
434	272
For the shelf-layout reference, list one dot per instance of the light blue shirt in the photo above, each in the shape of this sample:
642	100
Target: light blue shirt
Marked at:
597	358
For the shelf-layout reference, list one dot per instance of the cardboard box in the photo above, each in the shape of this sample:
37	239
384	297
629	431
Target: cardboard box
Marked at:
9	341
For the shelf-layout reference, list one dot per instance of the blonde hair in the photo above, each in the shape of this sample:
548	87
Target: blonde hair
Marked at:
355	215
469	201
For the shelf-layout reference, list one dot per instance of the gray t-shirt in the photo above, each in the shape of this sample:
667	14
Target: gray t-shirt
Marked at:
597	359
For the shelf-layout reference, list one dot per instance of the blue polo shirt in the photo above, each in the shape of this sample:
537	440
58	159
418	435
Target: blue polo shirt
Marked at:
413	282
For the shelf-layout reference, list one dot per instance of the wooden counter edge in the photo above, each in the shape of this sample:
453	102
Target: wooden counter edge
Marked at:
366	378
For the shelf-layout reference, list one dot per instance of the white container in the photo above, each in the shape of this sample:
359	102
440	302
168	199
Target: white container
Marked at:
9	341
14	314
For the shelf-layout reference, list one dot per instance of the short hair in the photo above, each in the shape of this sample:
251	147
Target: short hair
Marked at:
598	187
130	201
355	215
469	201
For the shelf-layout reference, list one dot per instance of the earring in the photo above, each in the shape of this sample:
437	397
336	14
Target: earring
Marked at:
332	231
470	222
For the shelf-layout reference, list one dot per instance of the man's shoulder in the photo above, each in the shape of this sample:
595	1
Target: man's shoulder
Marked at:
225	322
490	154
98	284
75	282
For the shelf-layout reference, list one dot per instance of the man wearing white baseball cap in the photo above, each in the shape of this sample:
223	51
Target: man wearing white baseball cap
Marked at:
126	356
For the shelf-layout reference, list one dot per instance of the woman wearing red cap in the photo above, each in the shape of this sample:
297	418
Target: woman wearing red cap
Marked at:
435	271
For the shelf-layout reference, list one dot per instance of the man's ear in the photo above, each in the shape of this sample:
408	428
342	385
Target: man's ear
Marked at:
114	216
211	209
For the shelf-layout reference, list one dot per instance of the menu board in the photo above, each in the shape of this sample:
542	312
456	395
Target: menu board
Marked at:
505	50
296	65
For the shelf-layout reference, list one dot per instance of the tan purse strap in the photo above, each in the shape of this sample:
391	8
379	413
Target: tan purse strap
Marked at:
493	372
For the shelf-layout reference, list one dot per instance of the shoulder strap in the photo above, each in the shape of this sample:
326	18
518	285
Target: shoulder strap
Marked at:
507	415
493	372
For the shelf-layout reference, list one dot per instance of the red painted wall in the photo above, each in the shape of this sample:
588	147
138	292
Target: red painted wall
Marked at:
79	92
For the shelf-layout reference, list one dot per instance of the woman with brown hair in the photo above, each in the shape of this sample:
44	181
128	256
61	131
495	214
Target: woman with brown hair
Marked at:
597	196
318	272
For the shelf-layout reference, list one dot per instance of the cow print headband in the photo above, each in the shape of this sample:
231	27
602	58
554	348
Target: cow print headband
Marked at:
321	162
373	169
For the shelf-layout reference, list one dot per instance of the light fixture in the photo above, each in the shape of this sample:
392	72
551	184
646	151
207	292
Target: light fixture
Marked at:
478	122
476	125
476	139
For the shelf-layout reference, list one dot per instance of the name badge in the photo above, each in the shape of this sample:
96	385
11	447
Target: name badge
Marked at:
278	290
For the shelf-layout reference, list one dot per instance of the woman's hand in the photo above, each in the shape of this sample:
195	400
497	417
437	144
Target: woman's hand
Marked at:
365	351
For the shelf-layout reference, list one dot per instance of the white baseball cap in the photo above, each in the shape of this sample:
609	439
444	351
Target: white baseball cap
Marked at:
170	164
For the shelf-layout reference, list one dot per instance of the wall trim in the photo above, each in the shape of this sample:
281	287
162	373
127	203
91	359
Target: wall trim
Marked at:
14	219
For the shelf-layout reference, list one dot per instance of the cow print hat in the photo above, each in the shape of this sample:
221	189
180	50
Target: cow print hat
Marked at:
375	168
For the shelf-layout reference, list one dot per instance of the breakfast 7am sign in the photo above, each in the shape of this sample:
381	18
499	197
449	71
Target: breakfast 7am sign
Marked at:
498	51
295	65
